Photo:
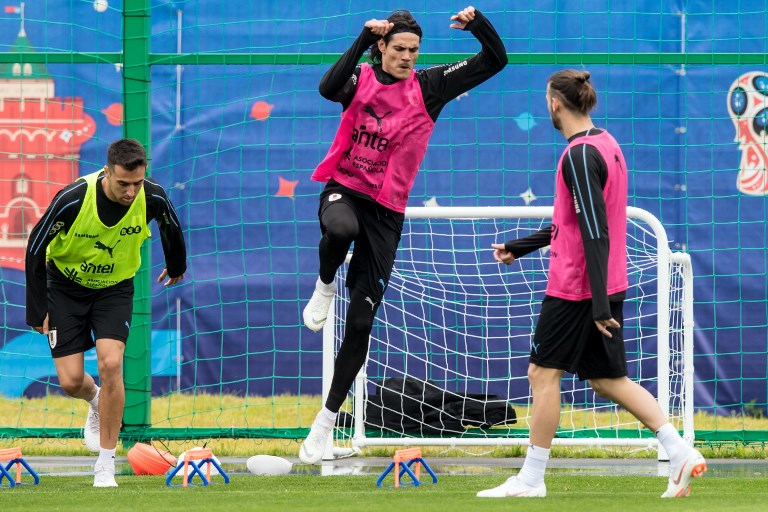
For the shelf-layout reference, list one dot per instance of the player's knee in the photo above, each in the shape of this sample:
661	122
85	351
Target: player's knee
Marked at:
543	379
600	388
342	229
72	385
110	366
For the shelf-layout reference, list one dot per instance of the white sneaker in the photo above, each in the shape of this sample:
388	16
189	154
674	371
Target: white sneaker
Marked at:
514	488
313	447
104	475
680	476
92	432
316	311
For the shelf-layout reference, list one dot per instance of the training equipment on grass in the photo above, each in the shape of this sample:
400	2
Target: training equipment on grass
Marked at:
193	462
10	457
464	323
268	465
205	467
401	465
148	460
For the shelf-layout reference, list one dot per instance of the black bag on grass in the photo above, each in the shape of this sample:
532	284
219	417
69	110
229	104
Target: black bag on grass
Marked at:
412	406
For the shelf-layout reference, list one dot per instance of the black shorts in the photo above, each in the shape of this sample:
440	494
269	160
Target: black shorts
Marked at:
74	312
567	338
376	244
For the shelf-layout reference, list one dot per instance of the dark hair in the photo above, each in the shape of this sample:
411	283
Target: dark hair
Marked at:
403	22
574	89
127	153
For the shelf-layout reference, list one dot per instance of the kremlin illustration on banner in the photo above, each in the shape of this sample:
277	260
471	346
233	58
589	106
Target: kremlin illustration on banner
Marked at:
40	140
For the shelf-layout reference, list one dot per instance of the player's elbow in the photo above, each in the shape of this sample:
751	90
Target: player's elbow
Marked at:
325	92
503	60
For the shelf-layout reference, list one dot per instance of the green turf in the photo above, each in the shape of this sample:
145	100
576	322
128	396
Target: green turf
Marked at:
360	494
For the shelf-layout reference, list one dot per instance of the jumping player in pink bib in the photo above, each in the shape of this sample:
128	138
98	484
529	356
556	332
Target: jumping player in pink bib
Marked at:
389	112
579	327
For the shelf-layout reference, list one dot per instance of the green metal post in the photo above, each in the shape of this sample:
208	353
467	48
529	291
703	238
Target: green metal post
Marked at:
136	103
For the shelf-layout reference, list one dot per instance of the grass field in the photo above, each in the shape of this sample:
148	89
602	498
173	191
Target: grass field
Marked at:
181	410
356	493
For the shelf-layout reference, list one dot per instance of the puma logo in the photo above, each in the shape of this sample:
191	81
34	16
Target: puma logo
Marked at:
372	113
370	301
346	153
103	247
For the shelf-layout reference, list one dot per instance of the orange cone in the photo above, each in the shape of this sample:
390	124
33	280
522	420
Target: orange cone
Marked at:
148	460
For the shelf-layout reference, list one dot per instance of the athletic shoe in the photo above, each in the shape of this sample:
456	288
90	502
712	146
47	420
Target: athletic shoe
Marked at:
313	447
514	488
104	475
92	432
316	310
680	476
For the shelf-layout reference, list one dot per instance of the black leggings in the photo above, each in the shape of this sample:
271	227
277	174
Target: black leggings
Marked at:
354	348
341	227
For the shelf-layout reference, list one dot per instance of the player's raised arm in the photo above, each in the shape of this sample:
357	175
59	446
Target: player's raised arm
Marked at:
339	82
445	82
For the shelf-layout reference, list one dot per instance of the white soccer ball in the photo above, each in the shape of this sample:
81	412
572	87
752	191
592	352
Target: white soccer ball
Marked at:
100	5
203	467
268	465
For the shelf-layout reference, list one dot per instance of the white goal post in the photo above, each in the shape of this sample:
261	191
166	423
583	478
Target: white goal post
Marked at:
454	317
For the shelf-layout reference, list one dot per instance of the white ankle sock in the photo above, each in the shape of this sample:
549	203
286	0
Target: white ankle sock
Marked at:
326	288
532	472
94	402
673	444
106	456
326	418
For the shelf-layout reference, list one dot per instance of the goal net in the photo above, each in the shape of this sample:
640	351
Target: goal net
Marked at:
449	348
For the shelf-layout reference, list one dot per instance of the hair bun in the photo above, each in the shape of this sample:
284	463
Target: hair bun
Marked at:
584	77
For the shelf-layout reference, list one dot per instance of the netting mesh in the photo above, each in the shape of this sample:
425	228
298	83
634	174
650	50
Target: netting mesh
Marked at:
463	323
235	126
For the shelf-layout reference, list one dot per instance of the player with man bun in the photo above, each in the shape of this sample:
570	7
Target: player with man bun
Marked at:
579	326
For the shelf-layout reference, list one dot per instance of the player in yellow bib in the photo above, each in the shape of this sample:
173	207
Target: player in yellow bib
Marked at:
80	262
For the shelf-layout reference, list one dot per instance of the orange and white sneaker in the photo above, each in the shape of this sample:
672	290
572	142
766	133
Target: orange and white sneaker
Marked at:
514	488
680	475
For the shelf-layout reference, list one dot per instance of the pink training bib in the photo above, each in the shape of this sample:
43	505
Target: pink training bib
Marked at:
381	141
568	278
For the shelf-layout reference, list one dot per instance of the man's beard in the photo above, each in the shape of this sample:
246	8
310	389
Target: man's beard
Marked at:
556	121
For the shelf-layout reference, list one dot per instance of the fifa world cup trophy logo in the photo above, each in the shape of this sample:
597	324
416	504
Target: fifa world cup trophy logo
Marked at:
748	107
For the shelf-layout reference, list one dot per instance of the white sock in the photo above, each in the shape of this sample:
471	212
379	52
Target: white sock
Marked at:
326	288
673	444
532	472
106	456
326	418
94	402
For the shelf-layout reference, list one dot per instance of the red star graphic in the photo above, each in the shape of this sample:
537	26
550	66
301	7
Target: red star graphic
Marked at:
286	188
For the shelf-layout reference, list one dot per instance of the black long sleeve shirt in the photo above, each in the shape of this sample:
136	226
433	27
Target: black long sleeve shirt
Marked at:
439	84
61	215
576	174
